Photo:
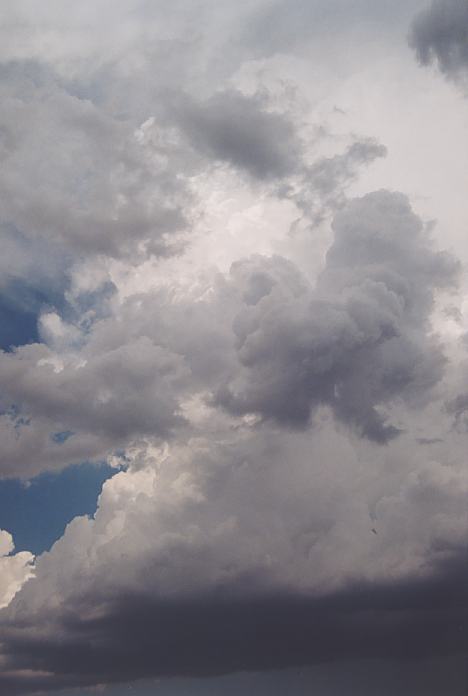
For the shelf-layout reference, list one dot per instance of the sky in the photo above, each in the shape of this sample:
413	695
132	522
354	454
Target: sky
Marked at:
233	348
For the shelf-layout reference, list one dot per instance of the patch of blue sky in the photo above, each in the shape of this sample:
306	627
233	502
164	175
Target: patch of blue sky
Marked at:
37	512
62	436
20	307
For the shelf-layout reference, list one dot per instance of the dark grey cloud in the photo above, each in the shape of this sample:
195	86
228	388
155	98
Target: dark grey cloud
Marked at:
359	339
439	34
240	130
430	677
134	637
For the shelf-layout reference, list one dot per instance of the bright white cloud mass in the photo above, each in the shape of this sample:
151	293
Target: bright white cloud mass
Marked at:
251	219
14	569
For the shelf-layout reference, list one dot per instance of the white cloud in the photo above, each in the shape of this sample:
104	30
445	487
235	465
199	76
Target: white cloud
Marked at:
15	568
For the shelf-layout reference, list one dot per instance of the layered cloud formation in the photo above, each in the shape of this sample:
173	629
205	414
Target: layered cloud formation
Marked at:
266	343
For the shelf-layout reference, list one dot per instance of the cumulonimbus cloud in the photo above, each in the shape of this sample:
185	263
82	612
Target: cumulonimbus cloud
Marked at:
288	423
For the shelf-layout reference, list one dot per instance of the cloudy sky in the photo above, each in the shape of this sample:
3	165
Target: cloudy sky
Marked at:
234	347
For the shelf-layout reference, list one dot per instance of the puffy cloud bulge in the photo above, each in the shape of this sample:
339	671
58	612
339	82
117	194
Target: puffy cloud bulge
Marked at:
15	569
359	339
277	364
